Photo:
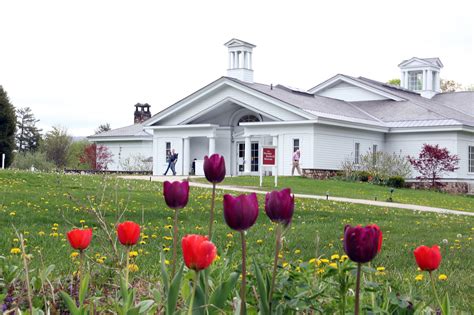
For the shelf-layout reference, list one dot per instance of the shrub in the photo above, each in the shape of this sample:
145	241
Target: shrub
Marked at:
363	176
396	182
26	160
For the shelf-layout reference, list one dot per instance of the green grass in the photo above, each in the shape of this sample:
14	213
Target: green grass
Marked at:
33	203
358	190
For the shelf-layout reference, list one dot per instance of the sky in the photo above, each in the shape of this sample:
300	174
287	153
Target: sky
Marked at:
78	64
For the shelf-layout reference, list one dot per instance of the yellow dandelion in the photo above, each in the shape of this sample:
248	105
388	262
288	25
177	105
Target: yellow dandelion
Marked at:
100	260
297	251
167	238
285	264
15	251
259	241
133	254
442	277
142	242
166	249
320	271
13	213
230	235
419	277
167	262
380	269
312	260
132	267
82	221
74	255
280	255
55	225
344	257
335	257
169	226
41	233
324	260
333	265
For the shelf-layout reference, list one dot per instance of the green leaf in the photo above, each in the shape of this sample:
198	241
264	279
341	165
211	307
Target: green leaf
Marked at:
174	291
262	291
71	305
144	306
199	301
446	307
219	296
164	273
83	289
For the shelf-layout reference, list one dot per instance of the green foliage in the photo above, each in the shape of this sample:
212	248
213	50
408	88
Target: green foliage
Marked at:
394	82
362	176
56	144
7	128
75	151
396	182
28	136
25	160
102	128
450	86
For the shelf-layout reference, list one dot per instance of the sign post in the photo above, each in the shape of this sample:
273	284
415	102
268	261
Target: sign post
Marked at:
3	161
269	159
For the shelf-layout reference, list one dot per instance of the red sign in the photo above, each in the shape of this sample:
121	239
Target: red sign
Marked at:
269	156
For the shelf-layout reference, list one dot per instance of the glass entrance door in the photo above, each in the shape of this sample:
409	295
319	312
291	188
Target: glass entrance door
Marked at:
254	156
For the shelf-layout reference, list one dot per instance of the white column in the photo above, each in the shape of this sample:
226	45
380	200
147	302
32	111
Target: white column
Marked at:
248	156
186	156
402	79
275	143
234	59
250	60
212	145
423	85
406	79
437	81
230	61
429	81
156	160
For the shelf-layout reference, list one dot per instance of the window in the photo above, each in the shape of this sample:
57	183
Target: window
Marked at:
356	152
254	157
471	159
415	80
168	149
248	118
374	154
296	144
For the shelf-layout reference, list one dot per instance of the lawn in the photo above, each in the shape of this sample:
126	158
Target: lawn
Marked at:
358	190
45	206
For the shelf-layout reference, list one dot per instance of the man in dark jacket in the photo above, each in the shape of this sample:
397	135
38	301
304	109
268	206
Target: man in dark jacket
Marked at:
172	159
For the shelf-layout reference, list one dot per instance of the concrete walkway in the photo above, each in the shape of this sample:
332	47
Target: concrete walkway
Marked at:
338	199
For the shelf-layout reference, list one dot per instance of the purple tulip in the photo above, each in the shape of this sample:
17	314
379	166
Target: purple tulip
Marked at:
214	168
176	194
361	243
279	206
240	212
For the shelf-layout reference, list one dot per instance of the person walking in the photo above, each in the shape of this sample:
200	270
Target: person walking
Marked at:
296	162
172	159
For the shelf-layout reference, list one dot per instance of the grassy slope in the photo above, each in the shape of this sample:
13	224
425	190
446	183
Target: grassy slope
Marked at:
39	200
358	190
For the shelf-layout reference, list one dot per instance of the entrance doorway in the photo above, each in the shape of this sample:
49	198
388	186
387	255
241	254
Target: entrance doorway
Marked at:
254	158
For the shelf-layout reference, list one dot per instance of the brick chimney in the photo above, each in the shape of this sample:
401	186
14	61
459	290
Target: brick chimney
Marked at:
142	113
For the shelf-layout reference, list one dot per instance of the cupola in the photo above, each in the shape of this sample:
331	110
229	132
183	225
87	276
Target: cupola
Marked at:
240	60
421	75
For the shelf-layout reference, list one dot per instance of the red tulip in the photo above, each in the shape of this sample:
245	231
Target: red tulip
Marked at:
241	212
361	244
380	236
198	251
428	258
214	168
128	233
176	194
79	238
279	206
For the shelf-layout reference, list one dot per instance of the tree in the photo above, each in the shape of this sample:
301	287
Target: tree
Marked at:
469	88
432	162
97	157
56	145
28	135
394	82
74	155
102	128
450	86
7	128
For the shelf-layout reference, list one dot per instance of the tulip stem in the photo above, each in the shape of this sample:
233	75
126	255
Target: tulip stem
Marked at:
81	263
127	262
27	273
357	292
275	263
175	242
196	277
434	290
211	215
243	306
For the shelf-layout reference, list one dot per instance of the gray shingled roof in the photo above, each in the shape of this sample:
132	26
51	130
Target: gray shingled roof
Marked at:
135	130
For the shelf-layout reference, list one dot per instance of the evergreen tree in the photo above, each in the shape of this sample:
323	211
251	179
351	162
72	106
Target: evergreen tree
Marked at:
102	128
7	128
28	135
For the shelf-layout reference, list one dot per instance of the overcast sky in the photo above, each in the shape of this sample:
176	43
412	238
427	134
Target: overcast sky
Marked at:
82	63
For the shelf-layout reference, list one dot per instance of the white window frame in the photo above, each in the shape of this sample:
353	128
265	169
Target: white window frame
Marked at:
415	83
470	159
299	144
357	153
167	149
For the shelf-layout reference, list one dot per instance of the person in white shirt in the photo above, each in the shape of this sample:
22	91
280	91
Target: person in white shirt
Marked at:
296	162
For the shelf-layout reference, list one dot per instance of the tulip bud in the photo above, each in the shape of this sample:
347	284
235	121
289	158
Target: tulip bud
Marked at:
241	212
427	258
279	206
361	243
128	233
176	194
198	252
79	238
214	168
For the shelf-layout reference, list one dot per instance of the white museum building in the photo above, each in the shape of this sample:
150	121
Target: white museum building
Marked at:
342	117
